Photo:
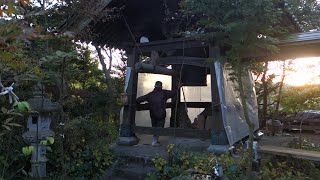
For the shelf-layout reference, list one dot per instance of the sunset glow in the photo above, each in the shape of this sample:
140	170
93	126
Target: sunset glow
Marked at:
302	71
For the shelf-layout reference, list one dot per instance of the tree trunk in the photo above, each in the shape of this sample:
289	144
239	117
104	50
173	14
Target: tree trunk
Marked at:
107	75
280	87
104	65
265	95
246	116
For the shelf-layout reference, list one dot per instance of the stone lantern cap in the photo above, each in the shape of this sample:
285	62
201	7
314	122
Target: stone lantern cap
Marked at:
40	103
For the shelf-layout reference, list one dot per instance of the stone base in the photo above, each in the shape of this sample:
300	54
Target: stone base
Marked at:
219	149
128	141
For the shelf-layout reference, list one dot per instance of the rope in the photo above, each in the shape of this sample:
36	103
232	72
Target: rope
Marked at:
180	73
8	90
184	99
176	105
131	34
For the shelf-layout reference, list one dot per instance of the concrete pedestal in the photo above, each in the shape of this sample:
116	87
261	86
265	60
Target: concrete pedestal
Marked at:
128	141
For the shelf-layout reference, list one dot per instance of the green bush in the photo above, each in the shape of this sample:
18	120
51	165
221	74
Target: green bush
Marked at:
13	164
295	99
86	149
300	143
181	164
288	168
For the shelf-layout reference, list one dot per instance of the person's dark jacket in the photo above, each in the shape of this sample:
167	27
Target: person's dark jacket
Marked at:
157	100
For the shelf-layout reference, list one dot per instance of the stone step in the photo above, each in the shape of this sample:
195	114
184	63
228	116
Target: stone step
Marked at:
129	167
132	171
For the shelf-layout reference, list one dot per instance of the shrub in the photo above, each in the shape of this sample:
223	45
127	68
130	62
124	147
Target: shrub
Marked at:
86	149
183	164
13	164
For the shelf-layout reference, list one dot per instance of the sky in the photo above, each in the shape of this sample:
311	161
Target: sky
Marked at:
303	71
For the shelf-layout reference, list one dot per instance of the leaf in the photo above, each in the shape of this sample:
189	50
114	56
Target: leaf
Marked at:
14	124
11	7
60	53
24	172
27	150
22	106
6	127
8	120
43	142
49	149
4	110
50	140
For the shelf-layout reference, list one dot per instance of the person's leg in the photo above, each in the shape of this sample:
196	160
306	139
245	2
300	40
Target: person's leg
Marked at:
154	137
157	123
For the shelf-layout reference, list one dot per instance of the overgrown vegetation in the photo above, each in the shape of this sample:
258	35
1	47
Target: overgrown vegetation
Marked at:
182	164
86	149
12	162
296	99
289	168
239	27
32	52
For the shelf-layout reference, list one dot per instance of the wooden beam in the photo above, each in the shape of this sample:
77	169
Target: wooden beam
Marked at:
301	50
141	107
77	22
300	45
214	52
175	100
290	152
195	61
129	111
149	68
303	127
163	45
301	38
178	132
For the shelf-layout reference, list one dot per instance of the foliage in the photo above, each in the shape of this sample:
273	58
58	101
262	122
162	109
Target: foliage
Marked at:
297	99
283	169
289	168
307	13
30	52
181	164
12	7
27	151
238	28
12	162
86	151
304	144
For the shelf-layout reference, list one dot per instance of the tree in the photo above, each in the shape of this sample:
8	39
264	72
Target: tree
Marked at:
306	13
265	92
240	27
32	51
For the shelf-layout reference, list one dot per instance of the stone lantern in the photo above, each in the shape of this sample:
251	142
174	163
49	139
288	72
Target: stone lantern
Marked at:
38	129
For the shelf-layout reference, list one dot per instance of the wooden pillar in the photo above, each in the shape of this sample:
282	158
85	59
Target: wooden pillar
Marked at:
219	140
127	135
174	85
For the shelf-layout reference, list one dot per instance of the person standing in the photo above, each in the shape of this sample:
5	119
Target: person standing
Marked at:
157	100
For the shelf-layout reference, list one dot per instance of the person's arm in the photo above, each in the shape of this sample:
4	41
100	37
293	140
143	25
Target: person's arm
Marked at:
142	99
173	93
